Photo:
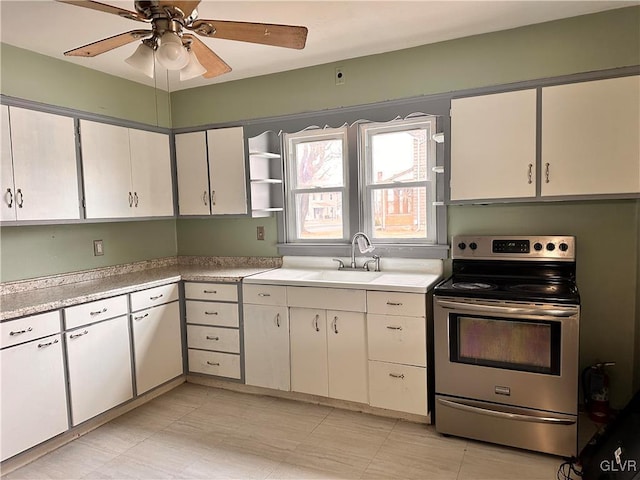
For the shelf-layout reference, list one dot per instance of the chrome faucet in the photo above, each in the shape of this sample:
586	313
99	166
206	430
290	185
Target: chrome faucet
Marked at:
364	245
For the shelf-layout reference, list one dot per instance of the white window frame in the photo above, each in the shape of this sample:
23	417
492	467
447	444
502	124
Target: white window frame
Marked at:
290	142
368	187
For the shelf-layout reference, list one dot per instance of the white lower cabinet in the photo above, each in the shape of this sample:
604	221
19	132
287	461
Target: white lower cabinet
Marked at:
398	387
34	399
214	363
99	359
329	353
157	345
266	346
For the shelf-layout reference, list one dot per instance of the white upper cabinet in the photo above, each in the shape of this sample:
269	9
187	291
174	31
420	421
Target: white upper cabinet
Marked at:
127	172
151	173
493	146
591	137
194	196
39	166
226	171
211	172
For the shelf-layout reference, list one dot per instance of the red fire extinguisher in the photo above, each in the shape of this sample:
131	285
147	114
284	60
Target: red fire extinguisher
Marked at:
595	385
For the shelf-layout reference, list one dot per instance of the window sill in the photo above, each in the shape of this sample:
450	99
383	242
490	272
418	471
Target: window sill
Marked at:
396	250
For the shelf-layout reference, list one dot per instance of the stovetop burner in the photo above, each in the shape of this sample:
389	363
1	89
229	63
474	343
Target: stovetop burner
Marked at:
473	286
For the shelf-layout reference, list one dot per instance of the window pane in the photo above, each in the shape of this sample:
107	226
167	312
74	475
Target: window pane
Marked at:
319	215
400	212
319	164
399	156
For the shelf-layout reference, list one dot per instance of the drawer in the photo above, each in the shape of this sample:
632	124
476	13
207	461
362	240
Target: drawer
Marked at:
213	338
264	294
214	363
345	299
211	291
28	328
212	313
95	311
154	296
398	387
396	303
397	339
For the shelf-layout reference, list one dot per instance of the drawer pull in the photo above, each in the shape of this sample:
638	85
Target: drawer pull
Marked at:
316	323
209	291
278	320
98	312
76	335
397	375
18	332
156	297
264	294
42	345
213	364
335	324
394	327
211	313
209	337
141	316
394	304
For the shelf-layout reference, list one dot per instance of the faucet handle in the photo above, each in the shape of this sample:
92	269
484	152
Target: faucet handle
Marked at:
376	260
340	263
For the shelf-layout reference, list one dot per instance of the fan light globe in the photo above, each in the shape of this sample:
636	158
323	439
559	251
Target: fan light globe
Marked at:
171	53
193	69
142	59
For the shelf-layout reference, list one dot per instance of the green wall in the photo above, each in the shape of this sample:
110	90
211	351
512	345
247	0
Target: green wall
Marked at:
580	44
35	251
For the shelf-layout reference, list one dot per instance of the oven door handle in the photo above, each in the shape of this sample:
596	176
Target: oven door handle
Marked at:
538	310
506	415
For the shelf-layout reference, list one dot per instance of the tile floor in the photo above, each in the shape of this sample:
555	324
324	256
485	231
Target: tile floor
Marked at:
200	432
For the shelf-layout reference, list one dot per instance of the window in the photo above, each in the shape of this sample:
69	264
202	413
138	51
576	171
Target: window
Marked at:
392	187
317	185
399	183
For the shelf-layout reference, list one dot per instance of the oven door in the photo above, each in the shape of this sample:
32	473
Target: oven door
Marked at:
510	353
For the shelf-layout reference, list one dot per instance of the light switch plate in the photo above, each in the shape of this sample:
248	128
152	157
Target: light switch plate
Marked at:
98	248
260	233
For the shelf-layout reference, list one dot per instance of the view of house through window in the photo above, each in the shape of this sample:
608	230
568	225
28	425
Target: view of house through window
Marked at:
396	185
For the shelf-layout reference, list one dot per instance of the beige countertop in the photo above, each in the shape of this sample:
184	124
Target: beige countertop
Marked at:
13	305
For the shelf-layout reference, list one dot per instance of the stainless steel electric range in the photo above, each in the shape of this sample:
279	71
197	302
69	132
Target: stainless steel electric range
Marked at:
506	327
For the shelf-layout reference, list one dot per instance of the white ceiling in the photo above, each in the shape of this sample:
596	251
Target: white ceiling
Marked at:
338	30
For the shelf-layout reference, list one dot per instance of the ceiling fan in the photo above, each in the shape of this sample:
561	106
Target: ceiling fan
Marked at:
177	50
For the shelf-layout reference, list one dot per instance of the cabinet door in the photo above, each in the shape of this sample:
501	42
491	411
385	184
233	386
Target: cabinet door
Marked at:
151	173
7	189
193	174
266	346
44	165
106	169
309	371
347	356
591	137
157	345
493	146
227	171
34	399
99	358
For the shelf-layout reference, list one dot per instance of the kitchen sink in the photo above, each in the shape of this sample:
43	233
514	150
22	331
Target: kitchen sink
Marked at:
350	276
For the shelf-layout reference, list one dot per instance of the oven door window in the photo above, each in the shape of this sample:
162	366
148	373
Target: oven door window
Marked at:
514	344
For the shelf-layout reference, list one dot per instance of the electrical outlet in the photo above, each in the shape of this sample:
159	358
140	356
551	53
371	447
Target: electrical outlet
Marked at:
260	233
339	76
98	248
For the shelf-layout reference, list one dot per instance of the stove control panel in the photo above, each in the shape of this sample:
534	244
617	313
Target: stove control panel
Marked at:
487	247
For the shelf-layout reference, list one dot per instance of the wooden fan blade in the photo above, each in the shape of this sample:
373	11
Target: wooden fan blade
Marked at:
187	7
265	33
213	63
106	44
101	7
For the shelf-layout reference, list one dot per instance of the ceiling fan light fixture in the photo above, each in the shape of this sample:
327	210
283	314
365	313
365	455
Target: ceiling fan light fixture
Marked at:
193	69
142	59
171	53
